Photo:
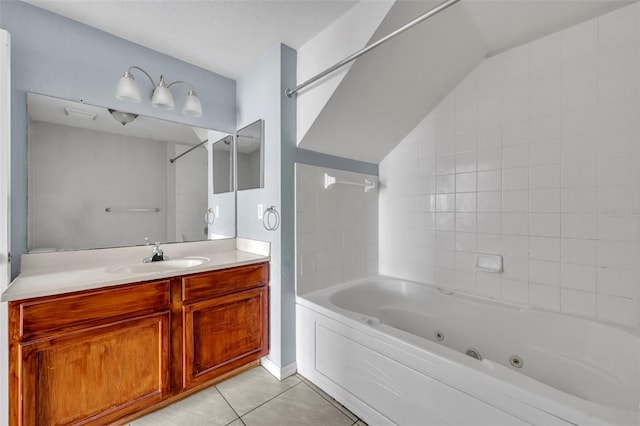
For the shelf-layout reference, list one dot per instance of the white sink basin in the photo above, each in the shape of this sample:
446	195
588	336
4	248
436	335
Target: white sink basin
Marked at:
164	265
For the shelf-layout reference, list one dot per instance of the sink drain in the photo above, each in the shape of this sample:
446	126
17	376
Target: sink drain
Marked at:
439	336
516	361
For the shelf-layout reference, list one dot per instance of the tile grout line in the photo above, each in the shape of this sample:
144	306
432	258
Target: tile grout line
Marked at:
330	402
267	401
230	406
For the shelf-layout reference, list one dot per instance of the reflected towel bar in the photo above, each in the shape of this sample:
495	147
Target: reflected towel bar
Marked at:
116	209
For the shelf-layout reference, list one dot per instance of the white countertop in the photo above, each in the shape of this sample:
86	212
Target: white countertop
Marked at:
47	274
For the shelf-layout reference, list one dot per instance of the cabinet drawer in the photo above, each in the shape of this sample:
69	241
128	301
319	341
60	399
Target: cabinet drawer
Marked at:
218	283
58	312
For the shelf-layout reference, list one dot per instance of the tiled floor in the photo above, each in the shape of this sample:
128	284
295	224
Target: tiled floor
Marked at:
255	398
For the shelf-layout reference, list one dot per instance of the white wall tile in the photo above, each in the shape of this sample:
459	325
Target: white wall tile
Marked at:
544	224
515	223
545	296
618	254
618	282
488	285
579	199
466	162
578	277
515	268
489	201
446	164
489	159
545	200
517	178
546	176
515	156
534	157
578	251
445	184
489	243
579	174
618	310
543	272
490	180
578	302
466	202
514	291
579	225
466	182
515	201
516	245
544	248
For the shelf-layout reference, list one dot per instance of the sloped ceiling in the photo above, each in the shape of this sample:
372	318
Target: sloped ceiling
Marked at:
388	91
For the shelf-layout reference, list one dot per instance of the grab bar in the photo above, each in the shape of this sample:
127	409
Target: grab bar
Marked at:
116	209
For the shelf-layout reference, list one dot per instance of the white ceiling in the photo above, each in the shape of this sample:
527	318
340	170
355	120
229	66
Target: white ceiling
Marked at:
223	36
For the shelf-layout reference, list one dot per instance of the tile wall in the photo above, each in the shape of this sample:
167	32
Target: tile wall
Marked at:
336	229
535	155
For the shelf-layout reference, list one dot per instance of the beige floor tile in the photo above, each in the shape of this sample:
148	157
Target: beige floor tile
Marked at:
238	422
329	398
253	388
204	408
299	405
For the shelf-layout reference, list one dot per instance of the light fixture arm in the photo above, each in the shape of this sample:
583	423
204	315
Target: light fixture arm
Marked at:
153	83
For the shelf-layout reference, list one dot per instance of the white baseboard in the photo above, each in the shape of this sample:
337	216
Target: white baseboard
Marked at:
277	372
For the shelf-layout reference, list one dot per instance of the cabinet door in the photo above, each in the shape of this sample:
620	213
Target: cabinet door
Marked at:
224	333
95	375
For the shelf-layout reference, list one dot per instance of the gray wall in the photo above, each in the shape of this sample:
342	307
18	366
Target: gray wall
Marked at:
260	95
55	56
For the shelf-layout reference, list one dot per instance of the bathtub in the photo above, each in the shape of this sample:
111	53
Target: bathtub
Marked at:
400	352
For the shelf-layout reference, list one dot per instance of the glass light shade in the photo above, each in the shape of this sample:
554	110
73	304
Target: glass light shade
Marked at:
162	98
128	89
192	105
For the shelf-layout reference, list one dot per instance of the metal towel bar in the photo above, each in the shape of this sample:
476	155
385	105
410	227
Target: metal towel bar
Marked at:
116	209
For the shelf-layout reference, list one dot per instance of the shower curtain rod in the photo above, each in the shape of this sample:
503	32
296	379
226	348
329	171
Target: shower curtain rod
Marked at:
189	150
439	8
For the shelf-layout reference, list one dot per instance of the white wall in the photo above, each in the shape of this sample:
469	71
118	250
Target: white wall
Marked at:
74	174
534	155
336	229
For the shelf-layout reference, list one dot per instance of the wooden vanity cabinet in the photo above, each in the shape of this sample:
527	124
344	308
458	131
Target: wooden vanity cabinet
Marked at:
100	356
88	357
225	321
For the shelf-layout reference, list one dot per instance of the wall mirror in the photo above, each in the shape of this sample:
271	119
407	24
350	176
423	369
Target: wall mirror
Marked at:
222	160
101	178
250	156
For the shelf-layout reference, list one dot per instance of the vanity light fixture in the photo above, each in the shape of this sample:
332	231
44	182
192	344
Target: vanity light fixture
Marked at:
128	90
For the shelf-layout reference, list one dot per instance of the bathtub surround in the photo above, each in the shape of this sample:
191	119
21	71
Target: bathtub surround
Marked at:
532	156
336	228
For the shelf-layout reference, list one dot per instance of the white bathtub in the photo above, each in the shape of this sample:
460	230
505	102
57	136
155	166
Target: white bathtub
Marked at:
372	345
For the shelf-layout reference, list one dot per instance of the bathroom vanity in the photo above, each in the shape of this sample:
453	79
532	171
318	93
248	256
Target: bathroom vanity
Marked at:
134	338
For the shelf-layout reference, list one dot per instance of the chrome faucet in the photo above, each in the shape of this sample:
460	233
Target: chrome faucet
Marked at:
157	254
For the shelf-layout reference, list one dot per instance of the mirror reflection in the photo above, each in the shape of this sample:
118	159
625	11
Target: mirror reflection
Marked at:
250	153
100	178
222	160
